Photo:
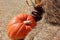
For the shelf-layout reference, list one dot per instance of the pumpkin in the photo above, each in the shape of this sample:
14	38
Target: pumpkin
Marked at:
20	25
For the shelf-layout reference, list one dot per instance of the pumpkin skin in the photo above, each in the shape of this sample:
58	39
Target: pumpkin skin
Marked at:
17	29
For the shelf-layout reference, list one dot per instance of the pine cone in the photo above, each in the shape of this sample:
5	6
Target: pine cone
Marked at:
37	13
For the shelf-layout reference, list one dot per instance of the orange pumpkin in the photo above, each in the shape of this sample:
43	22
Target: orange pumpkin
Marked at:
20	25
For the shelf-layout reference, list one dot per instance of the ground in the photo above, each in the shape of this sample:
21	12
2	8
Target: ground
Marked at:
10	8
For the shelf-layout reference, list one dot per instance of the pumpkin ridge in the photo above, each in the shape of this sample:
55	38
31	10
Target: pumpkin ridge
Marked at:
14	31
23	17
10	25
19	28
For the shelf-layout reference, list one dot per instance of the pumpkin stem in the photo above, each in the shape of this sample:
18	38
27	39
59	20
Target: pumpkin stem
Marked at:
26	22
